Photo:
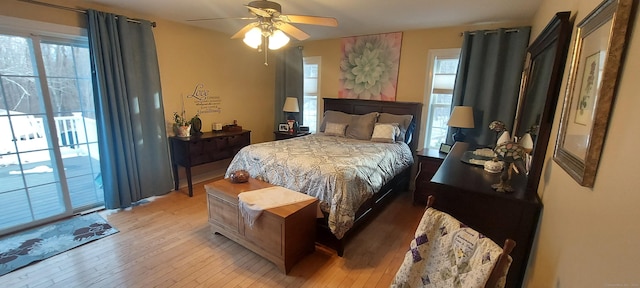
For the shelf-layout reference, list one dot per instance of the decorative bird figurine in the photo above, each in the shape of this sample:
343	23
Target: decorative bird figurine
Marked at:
513	156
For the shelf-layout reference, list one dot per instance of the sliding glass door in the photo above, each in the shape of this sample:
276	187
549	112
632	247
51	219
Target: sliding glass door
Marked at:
49	160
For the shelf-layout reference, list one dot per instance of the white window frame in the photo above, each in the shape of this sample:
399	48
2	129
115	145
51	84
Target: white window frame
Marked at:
39	31
315	60
433	54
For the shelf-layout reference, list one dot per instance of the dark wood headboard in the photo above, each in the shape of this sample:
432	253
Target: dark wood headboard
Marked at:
359	107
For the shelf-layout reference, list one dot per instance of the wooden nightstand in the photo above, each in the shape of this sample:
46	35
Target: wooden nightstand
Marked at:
429	161
286	135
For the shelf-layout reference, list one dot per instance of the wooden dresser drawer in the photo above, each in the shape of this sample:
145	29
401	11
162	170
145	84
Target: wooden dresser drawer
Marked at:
239	140
204	148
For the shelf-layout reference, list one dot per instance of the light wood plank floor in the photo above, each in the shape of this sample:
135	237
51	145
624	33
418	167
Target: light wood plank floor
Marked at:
167	243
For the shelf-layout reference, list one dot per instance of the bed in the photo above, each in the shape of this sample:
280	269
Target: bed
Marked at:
352	173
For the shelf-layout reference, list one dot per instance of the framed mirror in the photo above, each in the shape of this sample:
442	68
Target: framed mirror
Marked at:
542	78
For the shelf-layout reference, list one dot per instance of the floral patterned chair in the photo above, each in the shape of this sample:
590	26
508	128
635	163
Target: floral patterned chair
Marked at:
447	253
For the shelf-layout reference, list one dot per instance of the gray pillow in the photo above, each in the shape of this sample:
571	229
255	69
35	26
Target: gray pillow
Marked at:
403	120
334	117
361	126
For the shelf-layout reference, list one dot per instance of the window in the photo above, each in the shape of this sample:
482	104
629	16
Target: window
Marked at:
443	65
48	146
311	91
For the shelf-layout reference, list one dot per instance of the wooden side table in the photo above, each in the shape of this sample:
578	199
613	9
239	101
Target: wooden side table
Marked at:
286	135
429	160
204	148
282	235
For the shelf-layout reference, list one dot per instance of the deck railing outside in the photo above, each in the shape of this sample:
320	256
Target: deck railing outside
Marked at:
72	133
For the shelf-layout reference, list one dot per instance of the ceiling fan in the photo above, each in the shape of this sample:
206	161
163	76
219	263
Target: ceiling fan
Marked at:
270	20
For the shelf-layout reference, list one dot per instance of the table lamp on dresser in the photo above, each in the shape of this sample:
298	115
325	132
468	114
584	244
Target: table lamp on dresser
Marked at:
461	117
291	107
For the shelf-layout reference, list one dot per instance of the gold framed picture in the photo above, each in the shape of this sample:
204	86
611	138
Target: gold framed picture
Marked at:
597	57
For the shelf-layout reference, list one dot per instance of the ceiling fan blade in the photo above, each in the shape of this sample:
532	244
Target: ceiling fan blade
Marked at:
243	31
222	18
258	11
313	20
292	30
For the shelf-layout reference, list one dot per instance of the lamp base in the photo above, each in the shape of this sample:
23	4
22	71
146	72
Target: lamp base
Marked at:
505	178
458	136
291	124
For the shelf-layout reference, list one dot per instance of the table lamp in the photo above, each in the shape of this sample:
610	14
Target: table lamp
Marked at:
291	106
461	117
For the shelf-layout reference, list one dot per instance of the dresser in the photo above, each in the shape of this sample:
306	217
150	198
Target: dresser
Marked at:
429	160
282	235
204	148
464	191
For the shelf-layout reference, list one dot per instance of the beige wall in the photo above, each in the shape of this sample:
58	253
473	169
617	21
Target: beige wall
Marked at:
413	58
188	56
589	237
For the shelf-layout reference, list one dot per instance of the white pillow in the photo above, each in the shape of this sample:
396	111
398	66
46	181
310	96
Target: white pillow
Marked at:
335	129
385	132
404	121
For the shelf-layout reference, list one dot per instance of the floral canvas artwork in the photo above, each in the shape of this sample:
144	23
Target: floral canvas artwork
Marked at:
369	66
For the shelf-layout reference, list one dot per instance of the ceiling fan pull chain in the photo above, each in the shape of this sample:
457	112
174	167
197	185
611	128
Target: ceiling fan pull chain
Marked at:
266	55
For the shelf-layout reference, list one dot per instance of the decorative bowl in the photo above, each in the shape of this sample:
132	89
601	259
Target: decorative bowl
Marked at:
239	176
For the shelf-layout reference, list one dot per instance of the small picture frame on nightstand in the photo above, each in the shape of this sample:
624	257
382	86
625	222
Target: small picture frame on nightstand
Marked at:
445	148
283	127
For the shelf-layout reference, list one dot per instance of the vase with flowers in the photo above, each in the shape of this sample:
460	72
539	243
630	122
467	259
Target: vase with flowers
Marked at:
181	126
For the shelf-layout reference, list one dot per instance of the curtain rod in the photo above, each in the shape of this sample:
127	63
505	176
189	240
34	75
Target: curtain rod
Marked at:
494	31
153	24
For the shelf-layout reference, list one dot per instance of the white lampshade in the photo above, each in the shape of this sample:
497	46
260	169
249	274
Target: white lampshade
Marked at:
253	38
291	105
277	40
461	117
505	137
526	142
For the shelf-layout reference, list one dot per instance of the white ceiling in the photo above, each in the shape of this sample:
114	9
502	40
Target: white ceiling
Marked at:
355	17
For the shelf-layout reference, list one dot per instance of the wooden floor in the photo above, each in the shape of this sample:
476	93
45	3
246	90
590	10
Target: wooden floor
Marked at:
167	243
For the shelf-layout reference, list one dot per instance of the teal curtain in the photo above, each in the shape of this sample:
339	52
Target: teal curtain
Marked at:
289	82
488	79
130	115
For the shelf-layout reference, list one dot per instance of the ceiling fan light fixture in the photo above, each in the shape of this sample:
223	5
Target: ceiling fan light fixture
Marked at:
253	38
277	40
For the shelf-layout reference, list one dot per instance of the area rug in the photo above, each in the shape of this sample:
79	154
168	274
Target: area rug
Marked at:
21	249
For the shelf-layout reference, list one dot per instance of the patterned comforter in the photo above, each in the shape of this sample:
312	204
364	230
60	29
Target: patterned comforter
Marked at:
341	172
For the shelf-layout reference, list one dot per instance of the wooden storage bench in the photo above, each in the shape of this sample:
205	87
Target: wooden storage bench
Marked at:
282	235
